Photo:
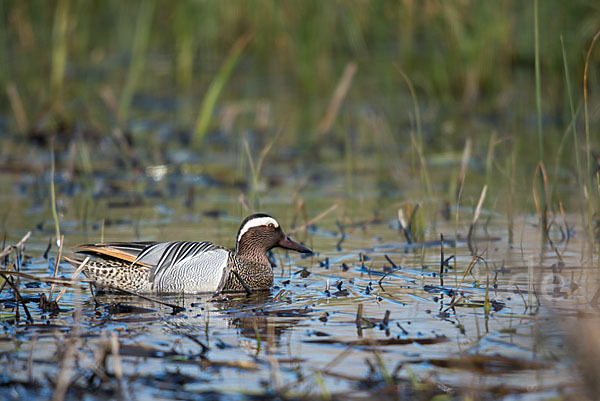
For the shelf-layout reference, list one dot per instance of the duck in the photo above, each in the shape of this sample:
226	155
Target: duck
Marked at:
189	266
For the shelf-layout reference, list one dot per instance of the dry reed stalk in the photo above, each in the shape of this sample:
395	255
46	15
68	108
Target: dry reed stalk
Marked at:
116	358
19	244
17	107
338	358
73	277
339	94
64	375
279	294
476	216
542	211
405	226
244	202
359	312
469	267
257	168
17	295
587	187
463	171
62	238
48	280
315	219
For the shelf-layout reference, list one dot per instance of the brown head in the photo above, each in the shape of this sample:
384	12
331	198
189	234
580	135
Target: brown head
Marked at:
258	234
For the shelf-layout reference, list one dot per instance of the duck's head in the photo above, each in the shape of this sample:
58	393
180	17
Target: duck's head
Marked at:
260	233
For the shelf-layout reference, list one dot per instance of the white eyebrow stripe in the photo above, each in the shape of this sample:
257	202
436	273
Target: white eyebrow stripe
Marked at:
259	221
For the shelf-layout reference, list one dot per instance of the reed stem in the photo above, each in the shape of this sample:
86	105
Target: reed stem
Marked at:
538	86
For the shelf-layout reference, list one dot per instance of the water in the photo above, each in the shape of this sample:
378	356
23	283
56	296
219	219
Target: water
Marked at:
306	341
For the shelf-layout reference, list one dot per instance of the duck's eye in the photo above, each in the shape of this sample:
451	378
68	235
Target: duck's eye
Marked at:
271	225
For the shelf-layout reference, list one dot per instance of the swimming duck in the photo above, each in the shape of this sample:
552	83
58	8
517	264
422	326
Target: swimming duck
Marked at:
187	266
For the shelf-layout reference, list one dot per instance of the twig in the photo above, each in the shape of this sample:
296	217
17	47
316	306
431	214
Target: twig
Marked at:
48	280
279	294
17	295
205	349
391	261
359	317
19	244
338	358
394	268
73	277
386	318
471	265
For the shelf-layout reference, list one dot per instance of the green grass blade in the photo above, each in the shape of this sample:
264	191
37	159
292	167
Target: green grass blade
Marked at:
210	99
573	116
59	48
538	85
588	148
136	64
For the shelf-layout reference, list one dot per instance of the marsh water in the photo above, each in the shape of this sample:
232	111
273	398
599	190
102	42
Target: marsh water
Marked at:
368	314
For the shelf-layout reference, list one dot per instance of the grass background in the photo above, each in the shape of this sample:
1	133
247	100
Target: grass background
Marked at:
158	76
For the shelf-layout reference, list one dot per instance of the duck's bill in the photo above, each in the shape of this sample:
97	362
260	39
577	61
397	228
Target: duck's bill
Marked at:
288	243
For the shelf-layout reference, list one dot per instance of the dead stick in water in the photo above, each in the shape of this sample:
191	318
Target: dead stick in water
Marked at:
391	261
17	296
48	280
386	318
279	294
10	248
73	277
359	314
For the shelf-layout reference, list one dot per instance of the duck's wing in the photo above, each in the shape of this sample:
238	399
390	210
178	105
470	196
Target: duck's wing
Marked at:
164	256
185	265
122	251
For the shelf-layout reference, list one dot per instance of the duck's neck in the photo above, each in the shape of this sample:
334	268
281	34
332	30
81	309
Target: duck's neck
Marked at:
252	254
